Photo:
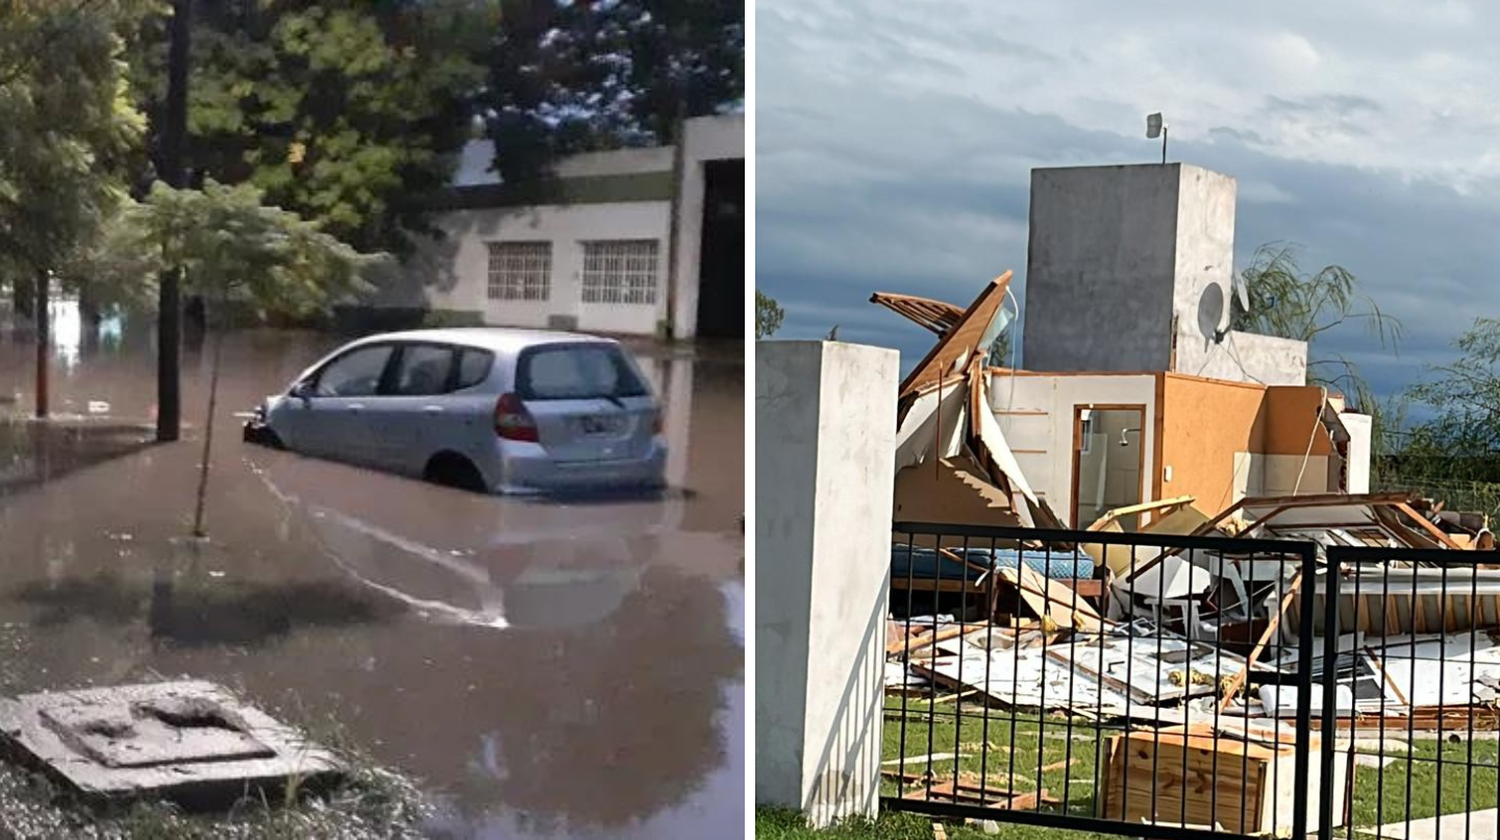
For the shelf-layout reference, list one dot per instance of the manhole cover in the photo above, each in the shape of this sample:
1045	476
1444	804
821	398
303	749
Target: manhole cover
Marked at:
180	740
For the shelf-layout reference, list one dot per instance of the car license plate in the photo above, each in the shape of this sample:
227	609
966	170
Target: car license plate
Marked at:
601	425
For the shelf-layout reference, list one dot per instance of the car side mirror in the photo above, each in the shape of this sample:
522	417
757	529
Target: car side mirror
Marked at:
302	390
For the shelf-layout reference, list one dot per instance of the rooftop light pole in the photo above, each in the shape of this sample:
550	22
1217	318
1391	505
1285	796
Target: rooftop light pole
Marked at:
1154	127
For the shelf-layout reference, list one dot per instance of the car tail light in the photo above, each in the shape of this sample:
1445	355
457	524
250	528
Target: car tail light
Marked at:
513	421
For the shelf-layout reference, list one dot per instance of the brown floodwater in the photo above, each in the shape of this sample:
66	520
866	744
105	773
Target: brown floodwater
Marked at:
545	668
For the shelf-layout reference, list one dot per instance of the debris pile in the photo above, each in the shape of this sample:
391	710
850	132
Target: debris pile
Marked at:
1163	634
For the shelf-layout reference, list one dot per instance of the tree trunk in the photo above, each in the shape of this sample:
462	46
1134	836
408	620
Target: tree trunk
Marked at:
194	323
23	300
208	433
169	301
88	308
91	318
169	359
42	340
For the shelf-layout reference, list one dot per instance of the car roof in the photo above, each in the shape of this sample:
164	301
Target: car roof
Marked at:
499	339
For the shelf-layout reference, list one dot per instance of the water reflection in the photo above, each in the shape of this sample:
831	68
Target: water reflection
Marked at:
563	669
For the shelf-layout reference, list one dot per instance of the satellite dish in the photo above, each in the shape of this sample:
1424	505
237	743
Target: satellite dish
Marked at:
1242	293
1211	313
1153	126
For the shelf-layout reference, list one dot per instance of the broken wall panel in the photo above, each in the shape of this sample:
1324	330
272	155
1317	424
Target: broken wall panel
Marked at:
1391	602
950	491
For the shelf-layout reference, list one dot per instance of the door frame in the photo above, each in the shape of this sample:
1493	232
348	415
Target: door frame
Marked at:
1077	450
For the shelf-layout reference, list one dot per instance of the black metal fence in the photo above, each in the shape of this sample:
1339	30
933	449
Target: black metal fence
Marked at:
1123	683
1411	636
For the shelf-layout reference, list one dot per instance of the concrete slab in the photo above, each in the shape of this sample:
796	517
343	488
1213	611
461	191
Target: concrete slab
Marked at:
1468	826
192	742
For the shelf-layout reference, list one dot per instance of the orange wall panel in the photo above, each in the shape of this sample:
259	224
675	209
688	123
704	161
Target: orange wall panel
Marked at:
1291	413
1204	423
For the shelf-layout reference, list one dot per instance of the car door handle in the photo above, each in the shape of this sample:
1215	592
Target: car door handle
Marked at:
357	408
432	409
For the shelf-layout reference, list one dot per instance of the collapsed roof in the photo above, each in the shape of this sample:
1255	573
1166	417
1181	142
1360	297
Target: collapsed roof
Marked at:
952	461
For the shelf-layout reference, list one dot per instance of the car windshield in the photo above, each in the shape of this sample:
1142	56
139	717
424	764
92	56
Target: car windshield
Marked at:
577	372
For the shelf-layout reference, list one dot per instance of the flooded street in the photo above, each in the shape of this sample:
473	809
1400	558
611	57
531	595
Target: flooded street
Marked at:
545	669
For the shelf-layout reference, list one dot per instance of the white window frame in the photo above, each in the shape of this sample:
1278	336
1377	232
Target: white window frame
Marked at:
624	272
519	270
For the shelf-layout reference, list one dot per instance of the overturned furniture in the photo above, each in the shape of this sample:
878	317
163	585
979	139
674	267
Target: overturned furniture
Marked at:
191	742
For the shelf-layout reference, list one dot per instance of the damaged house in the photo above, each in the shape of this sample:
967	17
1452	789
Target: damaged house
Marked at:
1141	411
1135	388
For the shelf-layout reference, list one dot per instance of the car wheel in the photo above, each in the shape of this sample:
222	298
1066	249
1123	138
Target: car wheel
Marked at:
451	470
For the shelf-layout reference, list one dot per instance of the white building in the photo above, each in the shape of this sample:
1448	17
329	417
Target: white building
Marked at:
592	248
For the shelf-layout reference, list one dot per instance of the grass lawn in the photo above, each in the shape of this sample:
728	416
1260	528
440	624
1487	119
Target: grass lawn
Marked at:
1065	758
1381	795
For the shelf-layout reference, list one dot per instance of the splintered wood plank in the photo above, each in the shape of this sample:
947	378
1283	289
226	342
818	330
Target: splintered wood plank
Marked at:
962	340
968	795
1072	610
935	315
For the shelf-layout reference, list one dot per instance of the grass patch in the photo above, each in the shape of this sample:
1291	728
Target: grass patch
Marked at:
1066	755
1055	753
782	824
1469	781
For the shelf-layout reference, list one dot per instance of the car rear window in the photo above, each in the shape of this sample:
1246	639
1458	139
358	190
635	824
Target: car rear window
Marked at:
577	372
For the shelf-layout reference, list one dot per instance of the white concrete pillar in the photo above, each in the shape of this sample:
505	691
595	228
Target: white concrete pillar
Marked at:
825	428
679	395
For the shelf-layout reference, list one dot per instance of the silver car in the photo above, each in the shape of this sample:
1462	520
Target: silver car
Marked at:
487	409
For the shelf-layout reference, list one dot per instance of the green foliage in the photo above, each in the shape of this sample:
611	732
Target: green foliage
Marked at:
66	124
1285	301
345	111
229	246
570	77
444	318
1455	454
768	314
1000	351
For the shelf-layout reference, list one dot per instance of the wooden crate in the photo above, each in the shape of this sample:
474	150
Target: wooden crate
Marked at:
1198	779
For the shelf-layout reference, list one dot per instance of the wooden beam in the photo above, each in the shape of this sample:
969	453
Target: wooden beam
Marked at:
1144	507
1437	533
962	340
930	639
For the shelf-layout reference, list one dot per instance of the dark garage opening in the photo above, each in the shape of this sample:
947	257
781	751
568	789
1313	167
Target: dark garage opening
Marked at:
721	267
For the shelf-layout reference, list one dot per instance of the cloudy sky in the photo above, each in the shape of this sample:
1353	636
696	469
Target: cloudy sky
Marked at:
895	140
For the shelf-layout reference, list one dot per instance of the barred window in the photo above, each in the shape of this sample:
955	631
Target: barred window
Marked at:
520	270
620	271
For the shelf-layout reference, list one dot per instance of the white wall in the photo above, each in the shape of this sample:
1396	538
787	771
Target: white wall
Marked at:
566	226
1037	419
825	440
705	139
479	155
1248	357
1256	474
1360	428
